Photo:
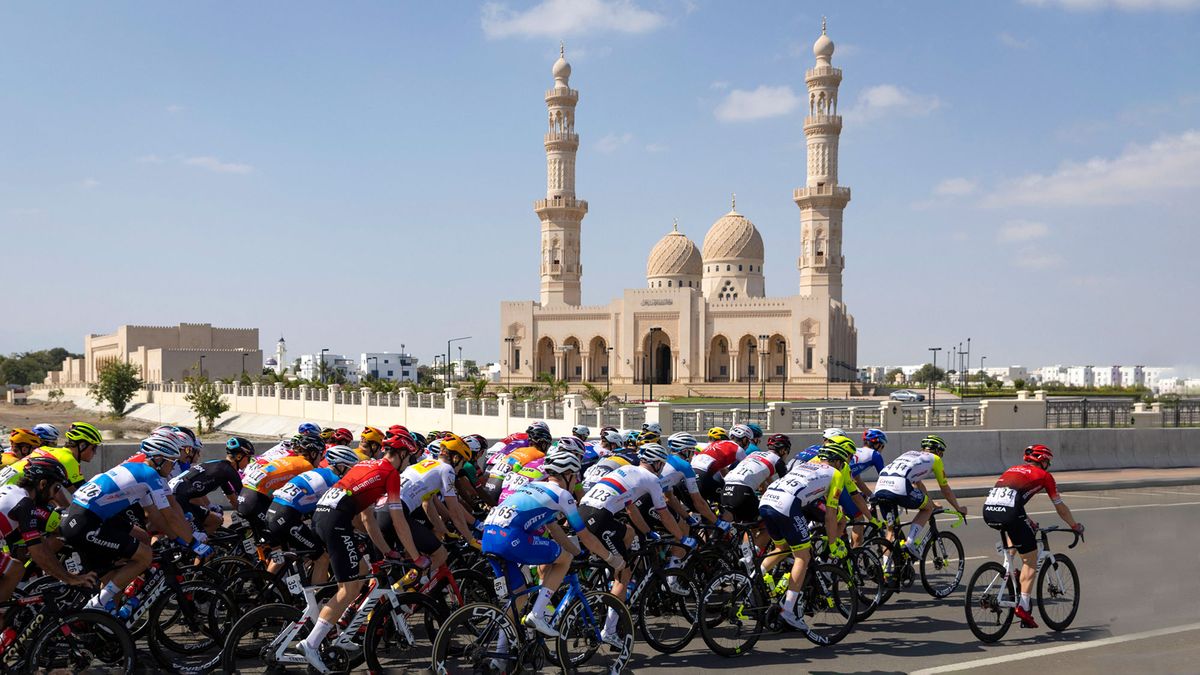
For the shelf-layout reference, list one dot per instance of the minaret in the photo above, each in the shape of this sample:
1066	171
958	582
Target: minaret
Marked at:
822	200
560	213
280	356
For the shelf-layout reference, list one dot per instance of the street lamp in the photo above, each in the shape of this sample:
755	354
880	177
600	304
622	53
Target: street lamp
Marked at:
933	375
783	387
608	368
764	354
322	364
983	380
749	377
508	371
457	339
654	330
825	364
968	366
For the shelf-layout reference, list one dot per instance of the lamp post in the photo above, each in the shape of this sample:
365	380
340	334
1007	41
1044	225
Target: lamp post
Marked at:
933	376
462	364
749	377
508	371
643	378
321	366
244	355
608	368
783	387
202	365
457	339
373	372
825	364
982	382
654	331
968	366
764	355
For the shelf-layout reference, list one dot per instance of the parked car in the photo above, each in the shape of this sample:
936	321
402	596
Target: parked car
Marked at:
907	396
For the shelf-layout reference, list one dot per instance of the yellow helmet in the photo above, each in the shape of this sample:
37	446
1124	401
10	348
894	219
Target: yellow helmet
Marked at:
82	431
648	437
718	434
453	444
371	434
841	447
24	437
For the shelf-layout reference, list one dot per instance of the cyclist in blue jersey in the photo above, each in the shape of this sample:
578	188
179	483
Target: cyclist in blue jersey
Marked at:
513	532
99	527
678	479
297	500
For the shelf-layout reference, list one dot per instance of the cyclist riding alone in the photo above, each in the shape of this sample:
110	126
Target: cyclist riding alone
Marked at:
193	486
901	485
21	442
1004	510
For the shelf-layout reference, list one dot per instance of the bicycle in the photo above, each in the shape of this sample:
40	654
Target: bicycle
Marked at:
664	601
941	558
995	590
483	637
55	635
737	608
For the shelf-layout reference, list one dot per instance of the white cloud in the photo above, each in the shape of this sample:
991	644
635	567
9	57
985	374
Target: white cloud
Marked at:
1034	259
1139	174
1009	40
148	159
175	107
889	100
612	142
1127	5
89	183
557	18
955	187
1022	230
214	164
741	105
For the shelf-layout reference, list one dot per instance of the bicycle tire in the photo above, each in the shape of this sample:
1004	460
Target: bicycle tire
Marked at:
389	650
831	603
868	580
249	640
728	603
943	553
475	586
92	634
578	644
467	641
985	617
1044	594
658	606
889	552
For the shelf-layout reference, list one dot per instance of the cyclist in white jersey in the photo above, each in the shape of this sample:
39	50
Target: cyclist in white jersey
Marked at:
901	484
739	498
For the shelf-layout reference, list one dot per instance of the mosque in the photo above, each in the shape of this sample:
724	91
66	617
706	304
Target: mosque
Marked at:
702	325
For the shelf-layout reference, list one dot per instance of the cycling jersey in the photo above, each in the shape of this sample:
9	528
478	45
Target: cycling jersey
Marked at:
9	458
303	491
533	506
276	452
120	487
203	478
267	478
678	472
754	470
717	456
425	479
911	467
623	486
13	473
19	515
177	469
498	452
515	480
864	459
601	469
807	484
1018	485
363	485
522	456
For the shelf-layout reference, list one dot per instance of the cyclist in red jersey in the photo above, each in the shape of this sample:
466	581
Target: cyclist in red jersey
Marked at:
717	457
1004	510
372	483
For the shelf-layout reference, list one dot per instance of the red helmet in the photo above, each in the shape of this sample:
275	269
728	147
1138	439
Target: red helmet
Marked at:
400	441
1038	453
342	437
397	428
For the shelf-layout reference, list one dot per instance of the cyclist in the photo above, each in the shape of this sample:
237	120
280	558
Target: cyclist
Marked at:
581	431
515	532
532	471
679	477
901	485
468	480
1004	510
193	486
739	499
189	448
370	441
420	485
623	456
350	500
756	433
100	528
787	506
610	442
340	436
83	440
296	500
716	458
260	481
537	440
654	427
48	433
21	442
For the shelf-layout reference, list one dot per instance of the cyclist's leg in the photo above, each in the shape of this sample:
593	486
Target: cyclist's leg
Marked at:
336	530
11	575
795	532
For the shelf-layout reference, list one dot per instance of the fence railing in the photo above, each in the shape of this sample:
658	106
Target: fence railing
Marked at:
1084	413
1184	413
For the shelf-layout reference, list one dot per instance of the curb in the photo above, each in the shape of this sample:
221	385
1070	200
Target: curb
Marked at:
1068	487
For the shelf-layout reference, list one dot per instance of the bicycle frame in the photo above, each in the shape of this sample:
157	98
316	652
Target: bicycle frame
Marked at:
1011	569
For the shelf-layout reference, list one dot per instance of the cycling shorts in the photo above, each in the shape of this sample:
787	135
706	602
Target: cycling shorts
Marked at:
286	527
517	545
253	505
710	484
604	524
787	529
418	524
1012	521
741	502
100	543
890	502
335	528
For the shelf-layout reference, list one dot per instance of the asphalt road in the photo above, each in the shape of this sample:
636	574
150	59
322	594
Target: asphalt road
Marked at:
1139	609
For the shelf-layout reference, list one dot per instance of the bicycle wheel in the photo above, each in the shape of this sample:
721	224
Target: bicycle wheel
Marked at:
476	638
890	566
475	586
991	597
187	627
867	570
942	565
254	587
82	641
733	611
667	619
401	646
580	647
254	641
1058	593
830	605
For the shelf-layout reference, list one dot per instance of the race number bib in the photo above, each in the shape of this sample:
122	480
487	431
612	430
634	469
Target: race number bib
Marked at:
332	497
289	493
87	493
7	474
254	474
1001	496
893	484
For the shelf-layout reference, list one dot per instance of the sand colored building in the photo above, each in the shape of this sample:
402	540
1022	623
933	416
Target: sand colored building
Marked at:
702	323
167	353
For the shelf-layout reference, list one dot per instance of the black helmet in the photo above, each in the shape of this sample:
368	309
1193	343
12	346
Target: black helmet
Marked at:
239	446
45	468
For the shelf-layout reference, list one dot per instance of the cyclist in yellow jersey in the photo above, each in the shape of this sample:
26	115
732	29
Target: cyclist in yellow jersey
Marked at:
21	442
901	484
83	440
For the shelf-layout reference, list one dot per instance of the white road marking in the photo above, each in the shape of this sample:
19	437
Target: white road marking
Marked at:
976	557
1123	506
1076	495
1167	493
1048	651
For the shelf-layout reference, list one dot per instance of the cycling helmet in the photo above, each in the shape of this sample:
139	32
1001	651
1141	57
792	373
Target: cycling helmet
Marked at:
45	468
161	446
652	452
483	442
472	443
758	432
741	432
309	446
607	428
933	444
832	432
47	432
82	431
538	425
340	455
539	434
572	445
779	444
24	437
371	434
874	435
455	446
581	432
402	442
398	427
1038	453
612	437
681	442
434	448
648	436
433	435
631	439
308	428
561	461
418	439
718	434
843	447
342	437
239	446
326	434
192	441
652	426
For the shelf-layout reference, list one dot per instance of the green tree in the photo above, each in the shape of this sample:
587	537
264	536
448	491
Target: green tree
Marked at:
1019	384
928	373
477	387
596	395
554	387
890	377
55	395
116	384
206	402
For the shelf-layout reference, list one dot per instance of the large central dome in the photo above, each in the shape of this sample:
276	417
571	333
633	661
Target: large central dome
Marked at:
733	237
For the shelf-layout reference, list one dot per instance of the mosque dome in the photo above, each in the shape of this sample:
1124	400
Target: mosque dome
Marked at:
674	255
823	47
272	362
733	237
562	69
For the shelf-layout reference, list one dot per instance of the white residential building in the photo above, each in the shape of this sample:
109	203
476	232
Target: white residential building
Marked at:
1132	376
390	366
1106	376
1048	374
1153	374
1080	376
347	368
872	374
1008	374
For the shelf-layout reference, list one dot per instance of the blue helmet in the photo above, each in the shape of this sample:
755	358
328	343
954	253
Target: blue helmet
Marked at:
47	432
874	435
758	432
309	429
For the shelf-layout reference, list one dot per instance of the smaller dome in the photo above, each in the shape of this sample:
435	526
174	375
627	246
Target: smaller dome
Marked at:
733	236
561	70
674	255
823	47
272	362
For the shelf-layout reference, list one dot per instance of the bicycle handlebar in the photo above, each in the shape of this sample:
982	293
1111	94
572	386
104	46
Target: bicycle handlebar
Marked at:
1059	528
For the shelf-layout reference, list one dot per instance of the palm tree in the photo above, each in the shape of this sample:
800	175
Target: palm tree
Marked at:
596	395
554	387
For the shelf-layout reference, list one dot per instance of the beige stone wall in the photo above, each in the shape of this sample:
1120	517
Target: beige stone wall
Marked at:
139	344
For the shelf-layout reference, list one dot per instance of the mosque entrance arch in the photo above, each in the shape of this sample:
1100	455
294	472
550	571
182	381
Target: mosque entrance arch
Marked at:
659	357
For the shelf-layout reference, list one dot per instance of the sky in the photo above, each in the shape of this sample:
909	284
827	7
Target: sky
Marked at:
360	176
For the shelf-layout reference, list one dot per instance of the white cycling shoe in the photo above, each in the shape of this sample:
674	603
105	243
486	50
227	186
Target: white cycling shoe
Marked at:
538	623
312	656
791	619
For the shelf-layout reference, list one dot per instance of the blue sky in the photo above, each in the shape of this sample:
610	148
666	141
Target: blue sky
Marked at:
360	175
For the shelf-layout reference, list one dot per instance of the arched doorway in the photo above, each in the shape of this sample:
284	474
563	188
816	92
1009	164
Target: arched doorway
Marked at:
598	366
544	358
747	359
659	359
718	360
777	358
572	361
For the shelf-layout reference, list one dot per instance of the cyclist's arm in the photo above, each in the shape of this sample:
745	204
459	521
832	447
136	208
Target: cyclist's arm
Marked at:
671	524
459	516
433	509
864	508
949	495
593	544
862	487
635	517
367	522
676	505
45	558
1065	513
556	533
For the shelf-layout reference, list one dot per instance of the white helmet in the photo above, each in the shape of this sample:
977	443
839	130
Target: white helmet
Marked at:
741	432
473	444
652	426
341	455
157	445
581	431
614	438
681	442
652	452
831	432
561	461
572	445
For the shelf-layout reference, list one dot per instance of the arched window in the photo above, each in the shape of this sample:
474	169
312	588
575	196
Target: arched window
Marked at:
728	267
739	268
669	283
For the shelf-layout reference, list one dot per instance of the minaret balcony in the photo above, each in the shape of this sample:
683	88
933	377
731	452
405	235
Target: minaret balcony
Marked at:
823	121
832	192
561	203
562	137
564	93
823	72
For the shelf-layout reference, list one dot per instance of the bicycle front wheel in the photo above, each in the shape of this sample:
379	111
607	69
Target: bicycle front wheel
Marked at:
891	565
188	626
401	643
667	610
733	613
1058	593
830	605
256	639
476	638
942	565
867	569
83	641
595	635
991	598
